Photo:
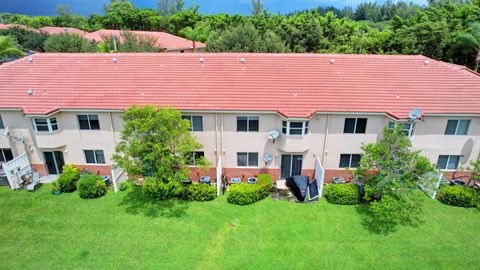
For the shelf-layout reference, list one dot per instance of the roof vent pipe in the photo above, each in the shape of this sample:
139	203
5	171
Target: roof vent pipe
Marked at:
114	60
30	60
426	62
30	92
202	60
243	60
332	61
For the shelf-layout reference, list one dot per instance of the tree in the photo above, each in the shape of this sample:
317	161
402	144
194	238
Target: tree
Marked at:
399	169
468	43
170	7
257	7
68	42
199	33
9	47
28	40
155	142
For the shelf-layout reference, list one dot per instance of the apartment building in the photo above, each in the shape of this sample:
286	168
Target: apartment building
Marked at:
275	113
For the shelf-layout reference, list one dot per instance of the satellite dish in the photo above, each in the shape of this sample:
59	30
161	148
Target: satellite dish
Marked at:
415	114
273	135
267	158
6	132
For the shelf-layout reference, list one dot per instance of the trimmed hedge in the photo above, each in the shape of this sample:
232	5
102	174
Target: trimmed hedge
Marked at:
243	194
342	194
157	189
459	196
68	178
264	183
200	192
91	186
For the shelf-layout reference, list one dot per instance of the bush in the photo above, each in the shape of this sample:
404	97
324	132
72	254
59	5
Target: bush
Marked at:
264	183
243	194
68	179
342	194
54	186
68	42
200	192
459	196
91	186
157	189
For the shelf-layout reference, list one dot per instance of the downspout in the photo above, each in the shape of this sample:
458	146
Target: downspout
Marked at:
221	137
325	139
216	139
113	131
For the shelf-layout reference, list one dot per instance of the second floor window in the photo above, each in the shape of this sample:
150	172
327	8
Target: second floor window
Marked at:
45	124
193	159
457	127
89	122
196	122
247	123
94	156
355	125
349	160
448	162
247	159
1	122
407	128
295	128
5	155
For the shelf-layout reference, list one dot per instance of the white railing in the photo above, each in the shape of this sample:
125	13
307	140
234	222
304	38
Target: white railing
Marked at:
320	176
219	175
119	175
430	184
15	169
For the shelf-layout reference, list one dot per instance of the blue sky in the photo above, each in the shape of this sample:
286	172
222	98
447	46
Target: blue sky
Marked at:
85	7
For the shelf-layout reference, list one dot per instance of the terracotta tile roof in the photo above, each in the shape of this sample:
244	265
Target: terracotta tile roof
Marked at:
163	40
294	85
53	30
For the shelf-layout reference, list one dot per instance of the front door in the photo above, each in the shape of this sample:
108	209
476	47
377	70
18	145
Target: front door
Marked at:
54	162
291	165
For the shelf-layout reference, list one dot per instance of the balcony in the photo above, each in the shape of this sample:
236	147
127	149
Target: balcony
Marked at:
293	144
48	140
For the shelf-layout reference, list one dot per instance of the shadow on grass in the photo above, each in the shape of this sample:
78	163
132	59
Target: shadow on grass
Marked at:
135	203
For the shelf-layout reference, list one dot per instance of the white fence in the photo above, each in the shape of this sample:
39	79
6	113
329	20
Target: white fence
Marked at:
219	176
118	176
15	169
430	184
320	176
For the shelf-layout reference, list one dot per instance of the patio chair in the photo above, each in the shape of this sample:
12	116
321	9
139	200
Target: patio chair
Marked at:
35	181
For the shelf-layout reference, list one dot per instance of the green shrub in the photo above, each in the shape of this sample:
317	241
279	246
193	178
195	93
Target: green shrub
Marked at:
243	194
342	194
123	186
200	192
68	178
264	183
157	189
54	186
91	186
459	196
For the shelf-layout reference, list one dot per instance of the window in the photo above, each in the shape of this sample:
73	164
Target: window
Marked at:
5	155
294	128
89	122
46	124
407	128
349	160
94	156
355	125
457	127
247	123
192	160
1	123
196	122
247	159
448	162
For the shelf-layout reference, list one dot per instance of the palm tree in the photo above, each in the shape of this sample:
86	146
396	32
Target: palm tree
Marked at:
8	47
469	43
199	33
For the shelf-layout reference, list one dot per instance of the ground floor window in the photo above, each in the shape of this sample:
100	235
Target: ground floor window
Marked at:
247	159
5	155
193	159
94	156
349	160
448	162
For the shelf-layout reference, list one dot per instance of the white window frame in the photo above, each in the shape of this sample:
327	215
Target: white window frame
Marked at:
2	153
248	122
2	126
355	125
94	156
458	124
448	161
49	124
410	131
248	158
194	159
189	117
305	127
349	161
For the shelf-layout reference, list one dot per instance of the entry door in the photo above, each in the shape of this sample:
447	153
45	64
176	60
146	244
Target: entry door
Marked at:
291	165
54	161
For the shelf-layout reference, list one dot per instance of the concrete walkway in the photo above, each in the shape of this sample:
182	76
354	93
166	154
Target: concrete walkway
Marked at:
48	179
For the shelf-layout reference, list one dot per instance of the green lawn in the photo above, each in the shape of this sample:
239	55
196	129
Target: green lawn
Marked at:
42	231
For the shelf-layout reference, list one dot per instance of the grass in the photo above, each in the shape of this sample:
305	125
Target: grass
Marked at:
42	231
